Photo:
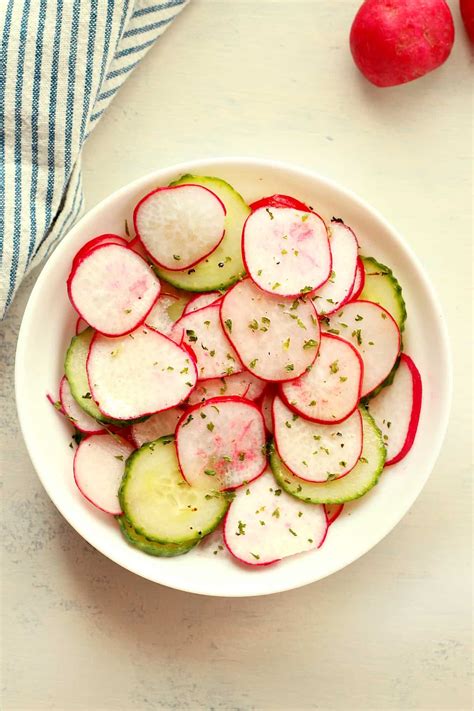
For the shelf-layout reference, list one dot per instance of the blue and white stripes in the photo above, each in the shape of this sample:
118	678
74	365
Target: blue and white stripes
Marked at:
61	64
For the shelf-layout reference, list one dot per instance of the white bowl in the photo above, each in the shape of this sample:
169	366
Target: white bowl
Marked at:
48	325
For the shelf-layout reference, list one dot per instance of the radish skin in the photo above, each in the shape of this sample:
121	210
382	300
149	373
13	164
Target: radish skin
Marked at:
331	390
316	453
221	443
279	200
98	468
97	242
396	41
181	225
340	285
275	339
202	332
333	511
286	251
81	420
166	377
113	289
396	410
242	384
265	524
374	334
359	281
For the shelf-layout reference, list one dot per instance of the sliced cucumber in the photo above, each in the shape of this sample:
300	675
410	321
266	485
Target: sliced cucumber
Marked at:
176	308
161	550
383	288
76	374
352	486
224	266
160	504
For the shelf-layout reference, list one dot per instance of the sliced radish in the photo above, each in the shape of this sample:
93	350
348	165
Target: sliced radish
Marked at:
359	281
275	339
396	410
156	426
180	225
136	246
315	452
330	391
266	406
337	290
160	317
96	242
240	384
139	374
333	511
221	443
265	524
201	301
113	289
375	335
202	332
279	200
81	325
286	251
74	413
99	464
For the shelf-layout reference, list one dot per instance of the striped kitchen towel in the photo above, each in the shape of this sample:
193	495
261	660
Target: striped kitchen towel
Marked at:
61	63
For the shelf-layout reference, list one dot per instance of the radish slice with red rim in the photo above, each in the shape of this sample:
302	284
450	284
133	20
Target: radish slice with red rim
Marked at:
330	391
180	225
337	290
333	511
240	384
97	242
396	410
202	332
265	524
136	246
81	420
286	251
113	289
81	325
373	333
159	317
156	426
99	464
359	281
279	200
139	374
316	452
221	443
276	339
201	301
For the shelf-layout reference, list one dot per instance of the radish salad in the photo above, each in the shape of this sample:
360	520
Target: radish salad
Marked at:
234	367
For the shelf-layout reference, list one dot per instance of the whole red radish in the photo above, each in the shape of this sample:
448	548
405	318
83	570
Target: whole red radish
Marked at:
467	14
396	41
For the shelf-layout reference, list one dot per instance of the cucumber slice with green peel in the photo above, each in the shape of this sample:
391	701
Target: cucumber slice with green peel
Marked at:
382	287
224	266
76	374
161	550
160	504
358	482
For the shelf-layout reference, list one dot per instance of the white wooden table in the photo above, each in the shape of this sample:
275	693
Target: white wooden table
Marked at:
271	78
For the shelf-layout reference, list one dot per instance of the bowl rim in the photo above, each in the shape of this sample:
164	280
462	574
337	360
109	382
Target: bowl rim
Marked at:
297	171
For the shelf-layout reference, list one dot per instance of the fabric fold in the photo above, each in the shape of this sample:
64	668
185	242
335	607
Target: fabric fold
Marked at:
61	64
